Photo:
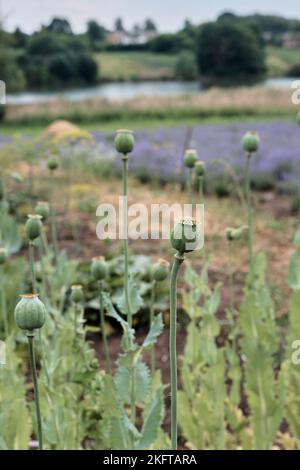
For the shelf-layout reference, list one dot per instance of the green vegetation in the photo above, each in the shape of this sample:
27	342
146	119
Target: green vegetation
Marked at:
117	66
281	61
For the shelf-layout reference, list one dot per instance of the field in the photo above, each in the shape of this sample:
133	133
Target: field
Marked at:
100	332
121	66
280	60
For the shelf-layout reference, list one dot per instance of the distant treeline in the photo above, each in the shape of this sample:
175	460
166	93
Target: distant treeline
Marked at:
231	47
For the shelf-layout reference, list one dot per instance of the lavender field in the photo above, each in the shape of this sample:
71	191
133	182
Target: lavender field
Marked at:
159	151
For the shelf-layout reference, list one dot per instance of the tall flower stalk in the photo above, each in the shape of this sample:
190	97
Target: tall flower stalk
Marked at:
30	314
33	229
185	238
52	166
124	144
250	143
190	159
160	272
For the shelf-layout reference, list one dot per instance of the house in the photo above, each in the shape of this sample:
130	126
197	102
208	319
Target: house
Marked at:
291	40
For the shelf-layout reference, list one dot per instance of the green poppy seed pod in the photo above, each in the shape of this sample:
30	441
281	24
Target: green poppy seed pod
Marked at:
3	255
33	227
77	294
30	313
160	270
190	158
52	163
200	168
185	236
251	142
233	234
42	209
99	268
124	141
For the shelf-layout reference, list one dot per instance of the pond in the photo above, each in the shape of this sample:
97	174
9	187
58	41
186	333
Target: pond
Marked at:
125	90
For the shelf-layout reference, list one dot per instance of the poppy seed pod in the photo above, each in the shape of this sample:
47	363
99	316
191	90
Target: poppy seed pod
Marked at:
251	142
33	227
30	313
3	255
124	141
185	236
99	268
160	270
52	163
190	158
42	209
200	168
233	234
77	294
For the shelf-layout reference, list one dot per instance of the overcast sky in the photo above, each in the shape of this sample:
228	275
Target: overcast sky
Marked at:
168	14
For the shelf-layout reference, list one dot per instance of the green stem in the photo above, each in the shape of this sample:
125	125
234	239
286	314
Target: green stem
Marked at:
249	209
190	185
179	258
152	300
31	264
36	390
230	277
3	303
201	201
104	337
53	218
125	222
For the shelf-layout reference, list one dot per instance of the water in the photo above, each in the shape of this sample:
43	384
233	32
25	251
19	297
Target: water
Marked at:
124	90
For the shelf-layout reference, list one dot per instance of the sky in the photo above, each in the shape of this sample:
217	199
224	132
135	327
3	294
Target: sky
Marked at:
167	14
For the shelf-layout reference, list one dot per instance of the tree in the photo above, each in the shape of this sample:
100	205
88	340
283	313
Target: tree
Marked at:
119	25
11	73
59	25
186	66
95	32
150	26
230	51
20	38
87	69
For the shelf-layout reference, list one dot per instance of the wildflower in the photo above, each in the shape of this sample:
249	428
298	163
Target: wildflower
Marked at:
160	270
99	268
33	227
185	236
190	158
42	209
77	293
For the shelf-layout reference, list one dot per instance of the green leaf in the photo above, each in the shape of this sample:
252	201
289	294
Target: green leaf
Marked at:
153	417
155	330
135	299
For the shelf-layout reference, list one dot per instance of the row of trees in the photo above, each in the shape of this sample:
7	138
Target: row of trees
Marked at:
231	47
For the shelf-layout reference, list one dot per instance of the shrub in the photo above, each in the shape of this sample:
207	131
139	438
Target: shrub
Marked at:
186	66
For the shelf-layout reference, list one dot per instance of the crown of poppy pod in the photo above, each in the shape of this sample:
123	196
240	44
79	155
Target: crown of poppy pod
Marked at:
190	158
42	209
52	163
99	268
77	293
124	141
185	236
30	313
251	142
33	227
200	168
160	270
3	255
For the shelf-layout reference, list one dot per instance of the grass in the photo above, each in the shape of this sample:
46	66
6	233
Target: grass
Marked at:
214	105
280	60
121	66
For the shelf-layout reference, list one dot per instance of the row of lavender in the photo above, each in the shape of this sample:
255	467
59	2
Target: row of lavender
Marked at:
159	151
